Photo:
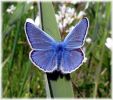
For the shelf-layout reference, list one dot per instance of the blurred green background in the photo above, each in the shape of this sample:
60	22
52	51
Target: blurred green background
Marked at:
20	78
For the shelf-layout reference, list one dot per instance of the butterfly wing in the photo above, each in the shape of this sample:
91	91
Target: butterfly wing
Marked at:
45	60
75	38
42	54
73	56
37	38
71	60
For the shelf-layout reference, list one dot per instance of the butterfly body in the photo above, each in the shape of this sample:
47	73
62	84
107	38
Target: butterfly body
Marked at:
59	52
49	55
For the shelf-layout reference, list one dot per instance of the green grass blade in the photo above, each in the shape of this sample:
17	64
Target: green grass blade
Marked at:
28	64
102	45
59	87
48	20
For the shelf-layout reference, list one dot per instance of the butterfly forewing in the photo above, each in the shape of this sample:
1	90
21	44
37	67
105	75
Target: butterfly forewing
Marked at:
37	38
75	38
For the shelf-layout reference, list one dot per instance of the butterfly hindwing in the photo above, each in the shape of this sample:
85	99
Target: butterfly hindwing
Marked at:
45	60
71	60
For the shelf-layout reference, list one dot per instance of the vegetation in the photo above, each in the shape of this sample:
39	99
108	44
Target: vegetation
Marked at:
20	78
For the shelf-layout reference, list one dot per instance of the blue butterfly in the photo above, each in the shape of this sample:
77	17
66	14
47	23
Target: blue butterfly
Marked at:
50	55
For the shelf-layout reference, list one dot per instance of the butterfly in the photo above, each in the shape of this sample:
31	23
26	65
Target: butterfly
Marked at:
50	55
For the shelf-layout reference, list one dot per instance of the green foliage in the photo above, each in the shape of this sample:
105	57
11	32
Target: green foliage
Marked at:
20	78
47	14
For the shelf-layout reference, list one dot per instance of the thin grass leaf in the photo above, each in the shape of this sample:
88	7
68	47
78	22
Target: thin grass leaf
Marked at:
102	45
28	64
